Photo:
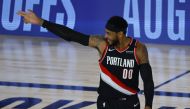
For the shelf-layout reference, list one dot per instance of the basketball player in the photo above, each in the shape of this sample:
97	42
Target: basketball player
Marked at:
121	60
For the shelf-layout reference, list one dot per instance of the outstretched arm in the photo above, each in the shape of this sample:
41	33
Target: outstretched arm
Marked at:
146	74
60	30
65	32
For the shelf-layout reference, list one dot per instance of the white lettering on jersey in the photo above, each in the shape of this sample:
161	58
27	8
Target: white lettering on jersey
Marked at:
116	61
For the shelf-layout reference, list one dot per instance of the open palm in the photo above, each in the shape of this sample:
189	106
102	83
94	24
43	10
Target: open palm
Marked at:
30	17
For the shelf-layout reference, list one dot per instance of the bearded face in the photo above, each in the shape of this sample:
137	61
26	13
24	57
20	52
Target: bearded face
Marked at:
111	37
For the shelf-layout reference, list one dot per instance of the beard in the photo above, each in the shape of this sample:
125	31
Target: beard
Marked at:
113	42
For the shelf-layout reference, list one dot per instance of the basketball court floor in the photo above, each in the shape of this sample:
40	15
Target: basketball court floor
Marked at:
47	73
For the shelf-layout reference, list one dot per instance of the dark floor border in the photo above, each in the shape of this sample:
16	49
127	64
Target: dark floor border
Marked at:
87	88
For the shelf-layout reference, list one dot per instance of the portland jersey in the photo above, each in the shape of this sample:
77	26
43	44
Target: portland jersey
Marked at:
119	71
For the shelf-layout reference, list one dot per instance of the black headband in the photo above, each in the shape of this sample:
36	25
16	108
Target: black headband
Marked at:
114	28
116	24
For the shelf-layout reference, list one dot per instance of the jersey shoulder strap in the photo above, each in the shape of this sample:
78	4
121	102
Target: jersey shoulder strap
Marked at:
132	45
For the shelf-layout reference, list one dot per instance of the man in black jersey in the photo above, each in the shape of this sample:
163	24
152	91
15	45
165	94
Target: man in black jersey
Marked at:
121	60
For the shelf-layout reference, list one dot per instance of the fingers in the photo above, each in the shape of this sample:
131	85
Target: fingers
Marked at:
21	13
28	17
25	21
30	11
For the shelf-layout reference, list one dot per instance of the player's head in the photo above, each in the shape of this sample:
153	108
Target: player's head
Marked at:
116	27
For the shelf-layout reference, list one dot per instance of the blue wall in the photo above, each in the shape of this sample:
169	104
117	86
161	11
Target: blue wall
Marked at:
153	21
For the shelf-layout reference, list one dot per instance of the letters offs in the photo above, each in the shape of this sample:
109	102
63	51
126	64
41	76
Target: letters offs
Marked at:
175	18
29	4
28	102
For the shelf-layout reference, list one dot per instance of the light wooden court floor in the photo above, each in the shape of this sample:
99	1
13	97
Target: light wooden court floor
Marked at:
51	73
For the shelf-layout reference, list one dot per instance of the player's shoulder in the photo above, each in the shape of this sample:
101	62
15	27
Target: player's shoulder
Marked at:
140	45
99	38
141	52
98	41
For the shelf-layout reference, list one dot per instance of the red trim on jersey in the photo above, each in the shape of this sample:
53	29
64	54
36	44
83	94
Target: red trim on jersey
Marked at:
115	79
104	54
135	48
123	49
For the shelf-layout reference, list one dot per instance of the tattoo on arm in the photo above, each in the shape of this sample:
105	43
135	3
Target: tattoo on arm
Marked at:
98	42
142	53
95	41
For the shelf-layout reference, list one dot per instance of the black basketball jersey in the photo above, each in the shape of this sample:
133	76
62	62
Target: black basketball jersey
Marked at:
119	71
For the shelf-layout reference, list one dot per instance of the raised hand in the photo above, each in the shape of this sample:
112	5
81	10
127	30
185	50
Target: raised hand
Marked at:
30	17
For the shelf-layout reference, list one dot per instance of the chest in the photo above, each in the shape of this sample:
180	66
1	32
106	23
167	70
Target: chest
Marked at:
118	59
